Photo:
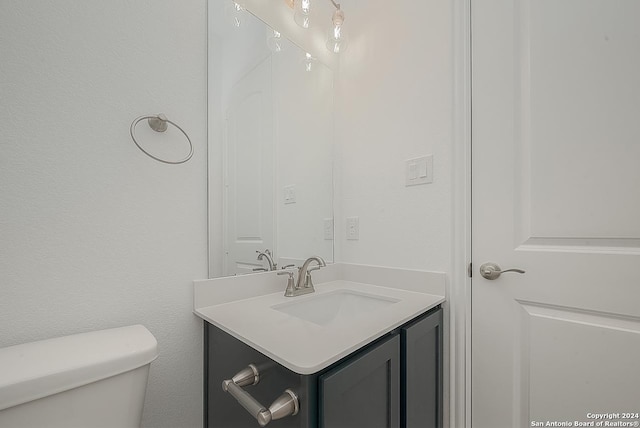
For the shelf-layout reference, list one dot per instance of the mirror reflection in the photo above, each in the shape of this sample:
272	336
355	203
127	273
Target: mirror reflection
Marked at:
270	147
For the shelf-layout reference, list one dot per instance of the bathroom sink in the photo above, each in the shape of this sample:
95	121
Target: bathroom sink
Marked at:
334	307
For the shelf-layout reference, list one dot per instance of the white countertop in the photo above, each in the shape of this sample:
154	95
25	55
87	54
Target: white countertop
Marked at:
306	347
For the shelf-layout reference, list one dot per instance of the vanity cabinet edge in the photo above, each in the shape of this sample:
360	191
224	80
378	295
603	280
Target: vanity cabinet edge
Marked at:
422	371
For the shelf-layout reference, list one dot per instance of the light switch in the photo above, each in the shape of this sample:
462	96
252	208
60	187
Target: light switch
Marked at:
413	171
422	169
419	170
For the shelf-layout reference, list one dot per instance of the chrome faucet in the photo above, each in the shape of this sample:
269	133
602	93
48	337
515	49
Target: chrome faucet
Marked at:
266	254
304	285
304	273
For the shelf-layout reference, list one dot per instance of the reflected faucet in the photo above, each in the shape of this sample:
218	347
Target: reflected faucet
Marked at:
267	254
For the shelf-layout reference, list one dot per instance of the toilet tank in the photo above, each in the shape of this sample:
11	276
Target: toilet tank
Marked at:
95	379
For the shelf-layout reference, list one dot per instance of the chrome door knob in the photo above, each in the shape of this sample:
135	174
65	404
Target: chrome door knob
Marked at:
492	271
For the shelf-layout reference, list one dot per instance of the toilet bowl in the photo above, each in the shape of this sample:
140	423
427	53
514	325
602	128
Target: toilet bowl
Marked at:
86	380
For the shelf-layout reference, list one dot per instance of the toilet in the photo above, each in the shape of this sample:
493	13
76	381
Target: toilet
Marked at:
86	380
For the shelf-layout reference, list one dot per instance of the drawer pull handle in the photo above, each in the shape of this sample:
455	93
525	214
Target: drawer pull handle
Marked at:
283	406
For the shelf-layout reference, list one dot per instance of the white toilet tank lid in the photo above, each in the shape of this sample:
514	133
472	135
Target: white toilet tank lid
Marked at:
34	370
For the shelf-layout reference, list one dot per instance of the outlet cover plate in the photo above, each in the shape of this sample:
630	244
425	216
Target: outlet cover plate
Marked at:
353	228
328	229
290	194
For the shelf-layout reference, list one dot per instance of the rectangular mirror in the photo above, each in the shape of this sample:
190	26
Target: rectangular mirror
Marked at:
270	162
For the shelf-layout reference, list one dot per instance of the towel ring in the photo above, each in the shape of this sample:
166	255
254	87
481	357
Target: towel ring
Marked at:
159	124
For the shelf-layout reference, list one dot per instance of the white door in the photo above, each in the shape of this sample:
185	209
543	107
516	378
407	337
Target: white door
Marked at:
249	198
556	192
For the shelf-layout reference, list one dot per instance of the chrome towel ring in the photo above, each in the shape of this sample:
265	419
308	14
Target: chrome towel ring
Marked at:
159	124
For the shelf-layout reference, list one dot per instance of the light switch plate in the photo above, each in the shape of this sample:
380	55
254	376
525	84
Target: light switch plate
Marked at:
419	170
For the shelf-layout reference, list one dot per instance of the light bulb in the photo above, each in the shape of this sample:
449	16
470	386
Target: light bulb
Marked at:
234	13
302	13
308	62
274	40
337	38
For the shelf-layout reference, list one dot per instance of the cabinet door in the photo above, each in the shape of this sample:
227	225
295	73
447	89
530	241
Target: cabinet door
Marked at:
364	391
422	372
224	357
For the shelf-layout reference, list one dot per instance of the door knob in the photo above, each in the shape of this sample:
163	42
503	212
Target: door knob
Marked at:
492	271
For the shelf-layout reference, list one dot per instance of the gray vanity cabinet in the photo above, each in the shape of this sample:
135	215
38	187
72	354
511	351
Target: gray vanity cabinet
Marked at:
364	391
422	372
394	382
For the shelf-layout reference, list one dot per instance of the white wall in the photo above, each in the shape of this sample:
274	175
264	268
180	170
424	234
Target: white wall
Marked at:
93	233
304	137
394	99
394	102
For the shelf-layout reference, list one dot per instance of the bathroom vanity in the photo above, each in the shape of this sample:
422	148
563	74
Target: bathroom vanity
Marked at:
355	353
395	381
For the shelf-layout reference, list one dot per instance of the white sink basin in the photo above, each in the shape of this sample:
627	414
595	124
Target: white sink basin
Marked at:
334	307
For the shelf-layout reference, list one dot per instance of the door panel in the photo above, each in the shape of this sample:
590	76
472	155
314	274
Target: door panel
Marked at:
555	106
577	117
571	351
249	158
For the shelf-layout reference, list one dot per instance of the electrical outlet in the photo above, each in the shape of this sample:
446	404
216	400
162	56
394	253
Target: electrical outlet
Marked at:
290	194
328	229
353	228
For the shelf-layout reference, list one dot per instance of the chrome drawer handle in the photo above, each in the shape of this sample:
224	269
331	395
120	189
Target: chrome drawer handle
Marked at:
283	406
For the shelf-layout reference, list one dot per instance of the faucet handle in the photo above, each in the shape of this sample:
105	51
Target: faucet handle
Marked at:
291	284
308	281
286	272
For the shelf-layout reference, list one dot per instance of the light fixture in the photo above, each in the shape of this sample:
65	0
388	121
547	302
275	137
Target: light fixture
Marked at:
337	38
274	40
302	13
308	62
234	13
